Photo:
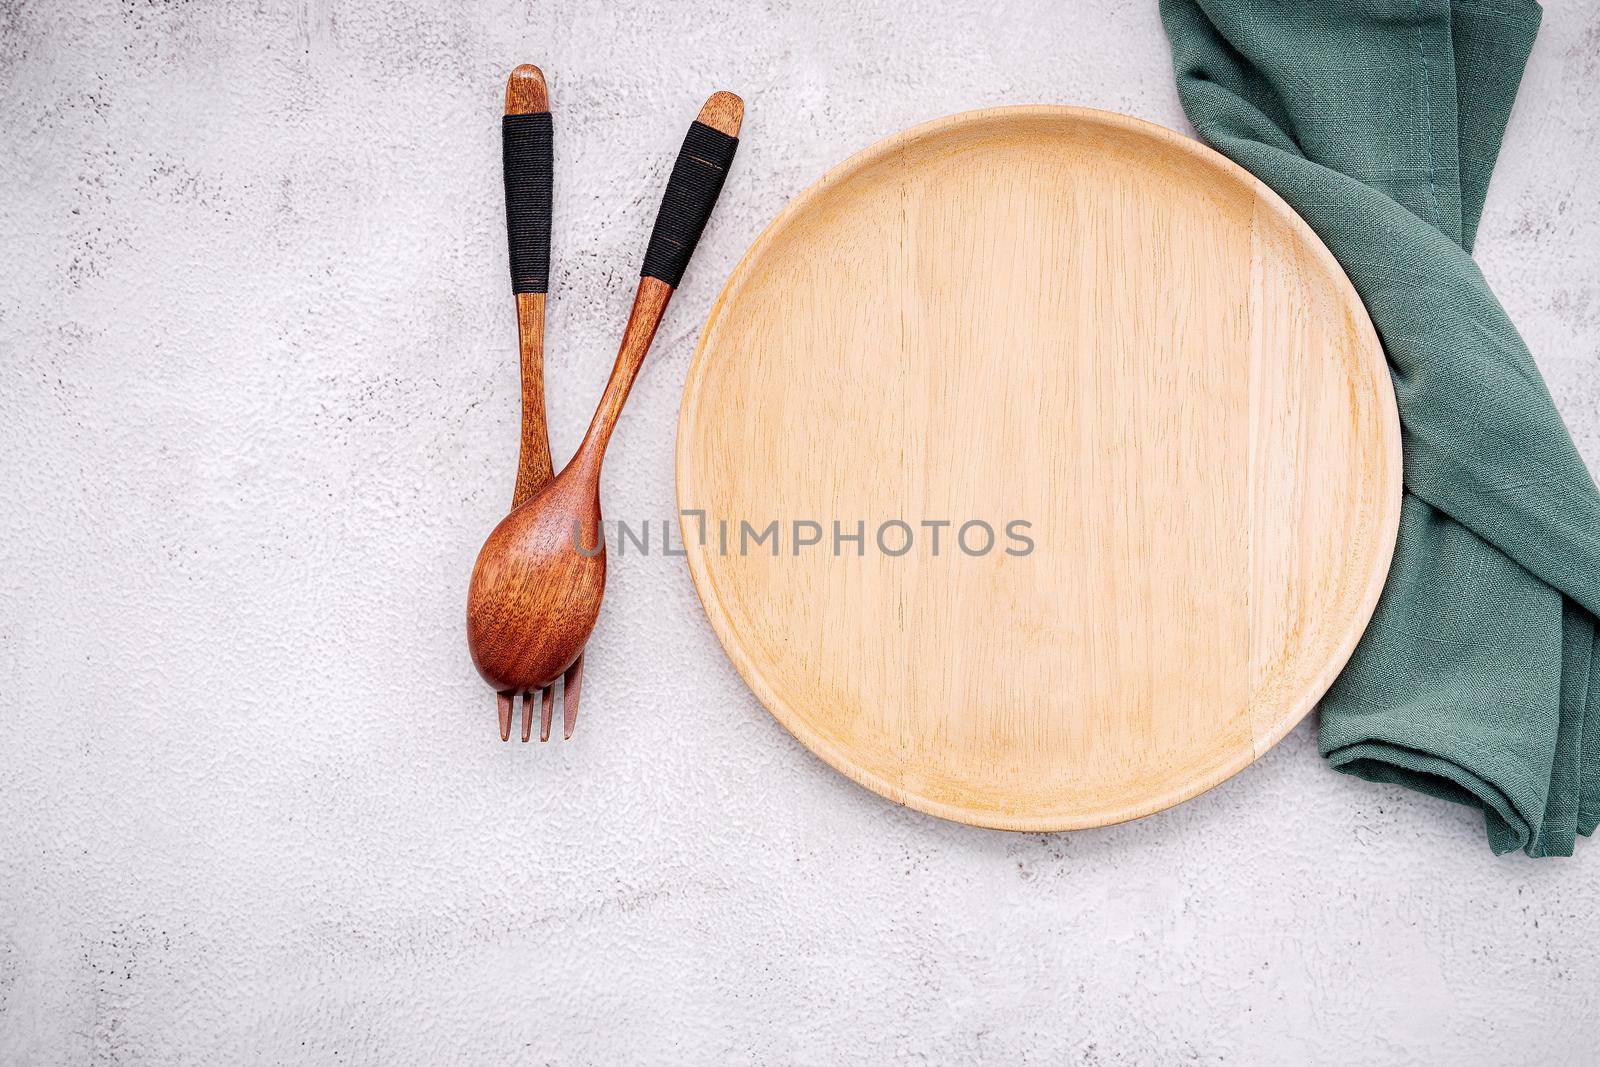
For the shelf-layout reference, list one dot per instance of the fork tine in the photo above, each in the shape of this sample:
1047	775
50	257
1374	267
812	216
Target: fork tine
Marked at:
571	686
503	705
546	712
527	714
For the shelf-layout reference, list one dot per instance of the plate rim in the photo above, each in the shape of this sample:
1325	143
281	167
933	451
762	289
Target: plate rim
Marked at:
838	757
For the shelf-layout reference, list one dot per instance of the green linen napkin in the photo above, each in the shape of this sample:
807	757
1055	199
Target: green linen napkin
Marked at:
1478	679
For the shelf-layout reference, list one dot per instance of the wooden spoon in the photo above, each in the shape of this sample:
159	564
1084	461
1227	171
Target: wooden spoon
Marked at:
539	579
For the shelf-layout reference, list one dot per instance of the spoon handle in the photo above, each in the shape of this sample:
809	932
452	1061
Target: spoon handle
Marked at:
527	147
692	190
691	193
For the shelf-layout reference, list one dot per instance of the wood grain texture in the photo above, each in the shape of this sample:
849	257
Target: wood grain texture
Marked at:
540	577
1085	322
526	91
723	111
534	468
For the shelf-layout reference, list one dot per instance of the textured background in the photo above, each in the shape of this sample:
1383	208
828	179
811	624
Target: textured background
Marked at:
257	409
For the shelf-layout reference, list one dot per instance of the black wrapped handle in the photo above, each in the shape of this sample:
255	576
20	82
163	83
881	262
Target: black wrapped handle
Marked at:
692	191
527	145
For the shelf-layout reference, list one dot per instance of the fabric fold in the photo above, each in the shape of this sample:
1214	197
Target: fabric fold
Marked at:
1380	121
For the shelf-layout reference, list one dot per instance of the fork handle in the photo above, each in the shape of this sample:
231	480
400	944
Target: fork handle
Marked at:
527	148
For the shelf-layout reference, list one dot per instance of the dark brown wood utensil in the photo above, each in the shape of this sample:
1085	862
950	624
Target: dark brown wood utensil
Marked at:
539	579
527	144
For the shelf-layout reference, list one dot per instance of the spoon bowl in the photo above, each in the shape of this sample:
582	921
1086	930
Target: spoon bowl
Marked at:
537	585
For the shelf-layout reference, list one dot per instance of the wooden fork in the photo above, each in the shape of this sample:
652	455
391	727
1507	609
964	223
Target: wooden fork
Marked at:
528	156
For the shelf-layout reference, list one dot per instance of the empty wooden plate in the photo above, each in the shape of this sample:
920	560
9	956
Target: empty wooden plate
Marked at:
1081	322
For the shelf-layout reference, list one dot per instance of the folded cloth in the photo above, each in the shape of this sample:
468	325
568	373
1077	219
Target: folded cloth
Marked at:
1478	679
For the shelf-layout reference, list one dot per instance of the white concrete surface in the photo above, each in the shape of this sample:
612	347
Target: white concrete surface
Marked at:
257	405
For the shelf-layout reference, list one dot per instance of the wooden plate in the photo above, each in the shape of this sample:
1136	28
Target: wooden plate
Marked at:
1076	320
